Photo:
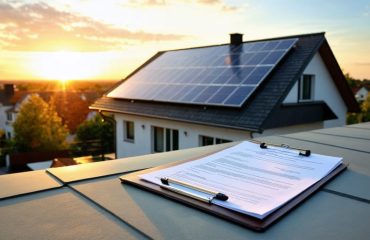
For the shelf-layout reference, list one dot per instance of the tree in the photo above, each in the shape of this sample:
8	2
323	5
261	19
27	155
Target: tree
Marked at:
365	109
352	83
363	116
38	127
96	130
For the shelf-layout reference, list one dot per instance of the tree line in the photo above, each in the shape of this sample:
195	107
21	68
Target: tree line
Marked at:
39	128
364	114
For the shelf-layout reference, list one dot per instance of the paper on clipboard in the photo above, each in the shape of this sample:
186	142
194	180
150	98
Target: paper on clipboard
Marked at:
257	181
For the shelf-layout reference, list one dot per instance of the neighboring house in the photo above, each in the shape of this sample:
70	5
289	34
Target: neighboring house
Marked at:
6	106
7	127
361	94
12	112
208	95
72	107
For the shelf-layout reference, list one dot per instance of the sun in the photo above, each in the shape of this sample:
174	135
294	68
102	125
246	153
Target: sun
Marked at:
64	66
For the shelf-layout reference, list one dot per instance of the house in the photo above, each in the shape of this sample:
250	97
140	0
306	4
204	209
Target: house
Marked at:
361	94
6	116
208	95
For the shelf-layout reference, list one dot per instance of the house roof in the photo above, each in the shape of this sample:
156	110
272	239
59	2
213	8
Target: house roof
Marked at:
363	87
88	201
255	112
5	96
355	89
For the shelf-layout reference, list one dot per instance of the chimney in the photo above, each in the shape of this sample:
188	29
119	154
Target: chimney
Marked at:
236	38
9	90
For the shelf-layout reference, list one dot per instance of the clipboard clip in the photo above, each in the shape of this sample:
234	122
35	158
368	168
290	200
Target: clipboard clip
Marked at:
194	192
301	152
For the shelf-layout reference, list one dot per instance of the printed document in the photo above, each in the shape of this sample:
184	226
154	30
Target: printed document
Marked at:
257	181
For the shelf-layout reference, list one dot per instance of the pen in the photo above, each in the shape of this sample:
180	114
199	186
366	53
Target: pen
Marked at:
216	195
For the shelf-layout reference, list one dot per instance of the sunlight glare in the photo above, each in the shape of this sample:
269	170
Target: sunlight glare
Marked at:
64	66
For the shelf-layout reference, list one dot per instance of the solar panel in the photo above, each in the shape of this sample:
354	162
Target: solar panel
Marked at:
224	75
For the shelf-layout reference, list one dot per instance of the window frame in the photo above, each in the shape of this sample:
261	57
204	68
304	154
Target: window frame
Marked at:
214	140
169	137
306	78
203	139
9	116
129	131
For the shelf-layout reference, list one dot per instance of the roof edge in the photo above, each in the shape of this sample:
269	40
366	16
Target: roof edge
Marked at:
336	74
177	120
290	114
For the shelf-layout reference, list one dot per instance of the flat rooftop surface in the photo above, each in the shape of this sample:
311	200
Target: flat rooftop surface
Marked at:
89	202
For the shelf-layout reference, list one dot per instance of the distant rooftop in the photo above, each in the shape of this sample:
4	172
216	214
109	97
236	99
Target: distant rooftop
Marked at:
89	202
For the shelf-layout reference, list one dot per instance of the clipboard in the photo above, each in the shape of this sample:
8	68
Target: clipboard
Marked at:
244	220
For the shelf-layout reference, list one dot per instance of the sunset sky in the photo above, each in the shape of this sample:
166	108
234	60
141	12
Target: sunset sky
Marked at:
95	39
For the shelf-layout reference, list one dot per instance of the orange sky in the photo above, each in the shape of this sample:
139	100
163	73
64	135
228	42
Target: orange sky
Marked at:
91	39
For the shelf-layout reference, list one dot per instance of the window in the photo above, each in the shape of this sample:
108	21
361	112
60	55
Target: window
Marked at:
206	140
165	139
158	139
306	88
220	141
128	131
9	116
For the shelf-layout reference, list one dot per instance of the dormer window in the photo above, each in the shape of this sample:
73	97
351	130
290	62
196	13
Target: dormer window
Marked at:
306	85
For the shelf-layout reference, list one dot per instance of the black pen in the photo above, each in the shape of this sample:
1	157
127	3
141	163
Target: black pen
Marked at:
215	195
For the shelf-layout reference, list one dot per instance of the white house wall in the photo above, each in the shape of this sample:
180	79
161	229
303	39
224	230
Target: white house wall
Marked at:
3	117
292	95
143	143
324	90
143	135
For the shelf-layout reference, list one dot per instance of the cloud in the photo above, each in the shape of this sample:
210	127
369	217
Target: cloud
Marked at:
364	64
148	2
211	2
40	27
227	8
219	3
163	3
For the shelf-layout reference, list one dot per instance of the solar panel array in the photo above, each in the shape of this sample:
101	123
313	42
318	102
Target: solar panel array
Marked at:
220	75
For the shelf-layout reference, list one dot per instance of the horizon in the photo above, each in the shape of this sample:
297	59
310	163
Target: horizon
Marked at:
88	41
56	80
